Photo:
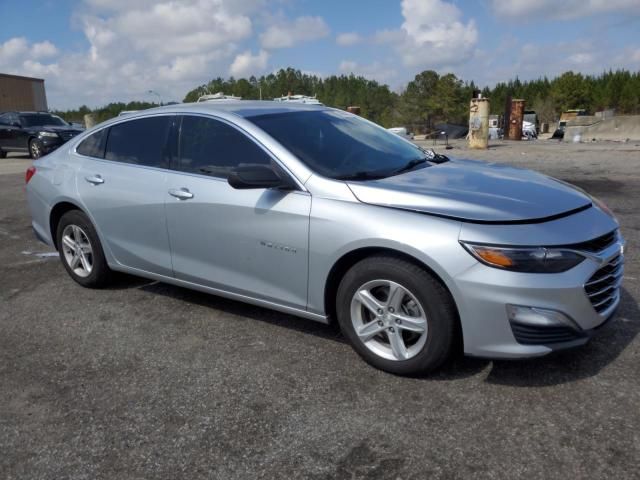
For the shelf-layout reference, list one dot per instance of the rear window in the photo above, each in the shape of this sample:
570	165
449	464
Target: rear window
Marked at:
42	120
93	145
144	141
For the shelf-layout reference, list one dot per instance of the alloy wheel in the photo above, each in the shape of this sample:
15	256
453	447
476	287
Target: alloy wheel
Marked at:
389	320
36	151
77	250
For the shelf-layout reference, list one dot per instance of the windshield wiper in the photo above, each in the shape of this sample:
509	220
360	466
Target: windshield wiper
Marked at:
363	175
410	166
434	157
438	158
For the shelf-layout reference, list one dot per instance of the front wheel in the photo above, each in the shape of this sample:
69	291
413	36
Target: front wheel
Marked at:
81	251
396	315
35	149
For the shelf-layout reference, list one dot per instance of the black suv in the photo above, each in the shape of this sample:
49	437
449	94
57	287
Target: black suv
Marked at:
35	132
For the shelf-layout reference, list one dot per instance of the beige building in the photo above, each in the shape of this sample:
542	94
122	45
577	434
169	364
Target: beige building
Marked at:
22	93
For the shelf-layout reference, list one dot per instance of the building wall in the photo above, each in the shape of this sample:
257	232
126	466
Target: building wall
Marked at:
621	128
22	93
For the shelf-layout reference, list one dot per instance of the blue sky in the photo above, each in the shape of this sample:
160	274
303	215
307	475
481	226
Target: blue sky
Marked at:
96	51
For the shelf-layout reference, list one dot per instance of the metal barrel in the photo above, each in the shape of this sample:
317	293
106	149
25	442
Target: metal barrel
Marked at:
89	120
479	123
516	115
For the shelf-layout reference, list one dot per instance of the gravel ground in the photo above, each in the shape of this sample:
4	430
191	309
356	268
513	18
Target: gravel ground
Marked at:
146	380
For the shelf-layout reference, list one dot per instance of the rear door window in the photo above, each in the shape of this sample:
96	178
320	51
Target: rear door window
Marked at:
211	147
93	145
12	119
143	141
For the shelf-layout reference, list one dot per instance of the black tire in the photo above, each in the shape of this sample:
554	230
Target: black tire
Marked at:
35	149
101	275
435	300
3	154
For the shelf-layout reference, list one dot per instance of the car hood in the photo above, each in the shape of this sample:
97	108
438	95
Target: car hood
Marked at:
474	191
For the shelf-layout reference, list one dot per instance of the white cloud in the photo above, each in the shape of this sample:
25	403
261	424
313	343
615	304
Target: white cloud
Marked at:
171	28
137	45
562	10
44	49
375	71
348	39
246	64
12	48
36	69
289	34
237	6
581	58
18	56
435	34
432	35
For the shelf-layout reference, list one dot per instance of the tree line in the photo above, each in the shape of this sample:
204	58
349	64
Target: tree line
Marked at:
103	113
428	99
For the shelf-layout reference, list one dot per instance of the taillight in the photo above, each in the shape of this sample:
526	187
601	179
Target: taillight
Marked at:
31	171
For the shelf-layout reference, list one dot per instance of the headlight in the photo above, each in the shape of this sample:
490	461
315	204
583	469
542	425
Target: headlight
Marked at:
47	134
527	260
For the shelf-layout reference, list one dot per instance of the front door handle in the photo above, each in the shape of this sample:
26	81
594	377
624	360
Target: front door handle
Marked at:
94	179
181	193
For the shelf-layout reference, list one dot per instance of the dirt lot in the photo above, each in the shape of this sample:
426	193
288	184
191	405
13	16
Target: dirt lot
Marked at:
145	380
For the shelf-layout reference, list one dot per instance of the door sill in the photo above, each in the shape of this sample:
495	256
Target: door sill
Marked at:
224	293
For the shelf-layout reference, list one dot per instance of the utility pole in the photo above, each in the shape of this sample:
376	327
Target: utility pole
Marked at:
153	92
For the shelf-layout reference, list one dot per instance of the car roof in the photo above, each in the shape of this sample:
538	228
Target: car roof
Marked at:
33	113
243	108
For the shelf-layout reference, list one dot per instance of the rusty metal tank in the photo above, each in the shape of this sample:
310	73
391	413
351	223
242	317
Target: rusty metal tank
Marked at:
513	130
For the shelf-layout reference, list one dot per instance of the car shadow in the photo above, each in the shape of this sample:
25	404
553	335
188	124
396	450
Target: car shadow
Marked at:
556	368
233	307
580	363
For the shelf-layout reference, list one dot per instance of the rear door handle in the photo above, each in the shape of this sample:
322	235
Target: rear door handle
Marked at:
94	179
181	193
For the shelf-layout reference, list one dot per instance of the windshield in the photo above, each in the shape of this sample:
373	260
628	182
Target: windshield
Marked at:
41	120
338	144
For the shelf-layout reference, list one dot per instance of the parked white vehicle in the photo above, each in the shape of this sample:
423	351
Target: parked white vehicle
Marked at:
401	131
529	130
299	99
217	96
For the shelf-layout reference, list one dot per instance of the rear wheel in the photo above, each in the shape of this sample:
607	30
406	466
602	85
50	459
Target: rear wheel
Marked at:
35	148
81	252
396	315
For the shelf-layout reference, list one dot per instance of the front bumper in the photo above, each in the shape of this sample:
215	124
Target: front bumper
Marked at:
485	294
49	144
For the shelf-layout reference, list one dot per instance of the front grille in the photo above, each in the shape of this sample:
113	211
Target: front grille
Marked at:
543	335
597	244
603	288
67	135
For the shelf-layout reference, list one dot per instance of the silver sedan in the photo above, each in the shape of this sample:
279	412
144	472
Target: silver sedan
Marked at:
319	213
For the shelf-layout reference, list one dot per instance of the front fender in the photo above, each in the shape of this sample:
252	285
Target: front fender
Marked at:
338	228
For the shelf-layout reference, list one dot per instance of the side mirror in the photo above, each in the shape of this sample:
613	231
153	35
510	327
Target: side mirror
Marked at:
257	176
